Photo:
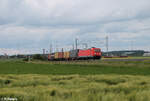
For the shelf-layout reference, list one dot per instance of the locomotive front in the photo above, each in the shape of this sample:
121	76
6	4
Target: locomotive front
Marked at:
97	53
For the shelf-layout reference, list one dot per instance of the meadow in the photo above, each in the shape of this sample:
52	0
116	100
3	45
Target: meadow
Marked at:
75	81
76	67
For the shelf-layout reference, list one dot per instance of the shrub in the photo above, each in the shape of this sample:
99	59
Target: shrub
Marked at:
38	57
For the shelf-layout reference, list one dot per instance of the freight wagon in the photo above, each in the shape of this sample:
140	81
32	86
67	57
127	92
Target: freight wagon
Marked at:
78	54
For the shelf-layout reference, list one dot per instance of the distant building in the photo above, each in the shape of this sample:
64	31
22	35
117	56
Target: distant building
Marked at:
4	56
124	53
146	54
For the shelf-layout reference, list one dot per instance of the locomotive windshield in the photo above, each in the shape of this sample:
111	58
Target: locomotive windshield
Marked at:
97	50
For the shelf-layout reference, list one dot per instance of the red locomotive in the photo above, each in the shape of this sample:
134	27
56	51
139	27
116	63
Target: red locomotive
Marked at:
78	54
92	53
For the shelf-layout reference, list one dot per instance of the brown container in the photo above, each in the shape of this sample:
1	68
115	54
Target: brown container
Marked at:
56	55
66	55
61	55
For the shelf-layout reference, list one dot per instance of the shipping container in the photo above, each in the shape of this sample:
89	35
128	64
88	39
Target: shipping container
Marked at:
66	55
56	55
60	55
74	53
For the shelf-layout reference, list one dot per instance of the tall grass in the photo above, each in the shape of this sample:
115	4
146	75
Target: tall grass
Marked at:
75	87
75	81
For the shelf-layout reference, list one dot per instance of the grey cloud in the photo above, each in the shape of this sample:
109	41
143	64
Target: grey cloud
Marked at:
48	12
36	23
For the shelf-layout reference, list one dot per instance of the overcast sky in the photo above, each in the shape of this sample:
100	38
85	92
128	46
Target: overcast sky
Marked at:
29	25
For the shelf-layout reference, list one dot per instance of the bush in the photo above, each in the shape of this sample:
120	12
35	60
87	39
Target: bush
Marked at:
25	59
38	57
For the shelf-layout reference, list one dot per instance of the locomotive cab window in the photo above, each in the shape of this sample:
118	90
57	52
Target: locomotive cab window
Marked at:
97	50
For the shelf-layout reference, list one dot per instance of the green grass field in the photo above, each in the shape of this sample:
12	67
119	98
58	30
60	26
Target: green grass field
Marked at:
75	81
80	67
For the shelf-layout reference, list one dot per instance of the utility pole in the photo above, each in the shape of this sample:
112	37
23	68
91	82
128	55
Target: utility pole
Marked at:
51	50
107	44
73	46
62	50
76	42
57	47
43	51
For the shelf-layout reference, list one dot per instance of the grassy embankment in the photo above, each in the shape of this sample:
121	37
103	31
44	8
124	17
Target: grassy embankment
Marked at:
75	81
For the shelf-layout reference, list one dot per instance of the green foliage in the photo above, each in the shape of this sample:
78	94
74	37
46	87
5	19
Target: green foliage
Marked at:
38	57
25	59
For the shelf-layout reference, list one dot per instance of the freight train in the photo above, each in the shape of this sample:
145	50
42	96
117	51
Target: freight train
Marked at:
78	54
